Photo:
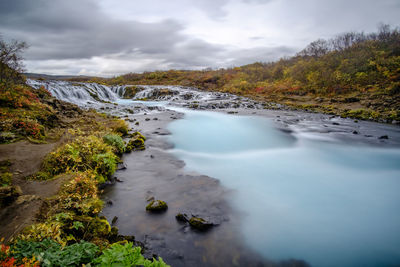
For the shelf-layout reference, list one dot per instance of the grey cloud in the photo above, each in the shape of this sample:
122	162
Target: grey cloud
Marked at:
78	29
256	38
65	33
263	54
257	1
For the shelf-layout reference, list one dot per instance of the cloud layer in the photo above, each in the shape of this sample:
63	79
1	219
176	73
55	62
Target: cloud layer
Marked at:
112	37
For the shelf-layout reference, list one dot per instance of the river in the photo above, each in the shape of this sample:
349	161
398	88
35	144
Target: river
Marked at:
284	187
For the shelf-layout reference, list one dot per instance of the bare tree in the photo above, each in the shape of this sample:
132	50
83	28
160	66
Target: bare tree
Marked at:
10	53
11	60
317	48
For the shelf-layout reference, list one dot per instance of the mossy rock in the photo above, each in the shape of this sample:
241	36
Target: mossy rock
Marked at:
131	91
136	142
157	206
200	224
99	227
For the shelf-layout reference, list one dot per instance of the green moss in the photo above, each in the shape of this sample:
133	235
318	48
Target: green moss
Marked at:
157	206
199	223
136	142
5	174
5	179
364	114
131	91
86	153
99	227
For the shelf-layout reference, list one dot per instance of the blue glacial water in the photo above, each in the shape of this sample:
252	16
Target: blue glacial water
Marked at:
328	203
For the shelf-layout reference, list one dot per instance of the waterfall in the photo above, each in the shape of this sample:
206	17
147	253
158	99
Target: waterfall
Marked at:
94	95
80	93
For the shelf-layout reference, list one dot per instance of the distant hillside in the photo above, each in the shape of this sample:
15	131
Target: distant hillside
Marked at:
55	77
353	75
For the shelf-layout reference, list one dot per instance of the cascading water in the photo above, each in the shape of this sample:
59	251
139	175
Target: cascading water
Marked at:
80	93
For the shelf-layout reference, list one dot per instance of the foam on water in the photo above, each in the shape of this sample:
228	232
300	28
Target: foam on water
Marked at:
327	203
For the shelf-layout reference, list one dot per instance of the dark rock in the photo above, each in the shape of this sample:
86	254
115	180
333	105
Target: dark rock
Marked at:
182	217
155	119
335	123
121	166
157	206
200	224
137	123
109	202
114	220
355	132
383	137
147	119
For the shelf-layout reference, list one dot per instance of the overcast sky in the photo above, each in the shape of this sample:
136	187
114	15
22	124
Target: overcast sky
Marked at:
111	37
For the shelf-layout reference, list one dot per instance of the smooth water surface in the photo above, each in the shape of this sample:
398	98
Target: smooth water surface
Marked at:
328	203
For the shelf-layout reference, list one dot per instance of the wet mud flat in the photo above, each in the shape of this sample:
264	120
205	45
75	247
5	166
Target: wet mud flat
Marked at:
156	174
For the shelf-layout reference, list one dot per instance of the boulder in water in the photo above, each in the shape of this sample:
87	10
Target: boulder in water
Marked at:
182	217
157	206
200	223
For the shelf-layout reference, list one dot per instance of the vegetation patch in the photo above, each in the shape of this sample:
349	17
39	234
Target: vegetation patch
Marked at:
116	142
136	142
86	153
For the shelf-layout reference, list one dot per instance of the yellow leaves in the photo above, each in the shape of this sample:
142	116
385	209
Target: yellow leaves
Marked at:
41	231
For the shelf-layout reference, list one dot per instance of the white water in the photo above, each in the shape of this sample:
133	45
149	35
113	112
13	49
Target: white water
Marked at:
327	203
80	94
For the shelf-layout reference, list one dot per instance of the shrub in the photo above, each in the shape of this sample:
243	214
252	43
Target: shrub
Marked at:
81	195
86	153
41	231
120	126
116	142
50	253
126	255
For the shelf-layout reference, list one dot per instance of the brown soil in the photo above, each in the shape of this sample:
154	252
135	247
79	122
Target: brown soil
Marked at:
26	160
